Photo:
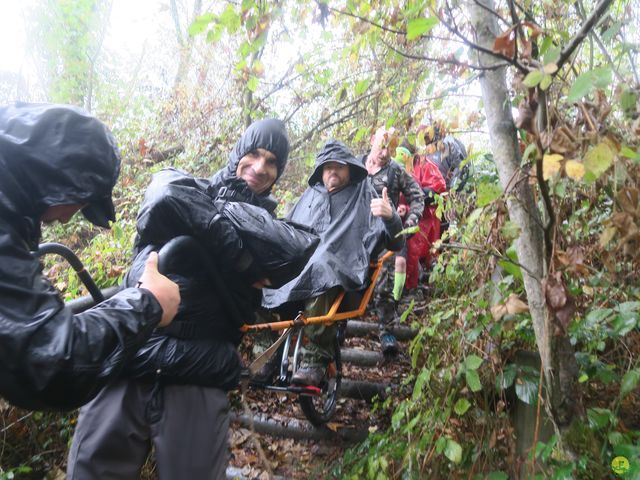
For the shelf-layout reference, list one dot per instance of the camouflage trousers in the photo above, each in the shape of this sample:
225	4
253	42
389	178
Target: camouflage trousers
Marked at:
320	346
383	303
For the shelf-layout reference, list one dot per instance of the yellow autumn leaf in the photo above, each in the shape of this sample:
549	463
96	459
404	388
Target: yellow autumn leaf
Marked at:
498	311
550	165
607	235
515	305
574	169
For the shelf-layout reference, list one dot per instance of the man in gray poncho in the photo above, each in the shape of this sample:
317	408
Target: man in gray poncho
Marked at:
354	225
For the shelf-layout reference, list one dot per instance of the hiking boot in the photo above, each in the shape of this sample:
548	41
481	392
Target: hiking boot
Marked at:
266	374
388	344
308	376
414	294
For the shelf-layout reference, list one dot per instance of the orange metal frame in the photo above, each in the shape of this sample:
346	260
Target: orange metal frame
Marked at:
331	316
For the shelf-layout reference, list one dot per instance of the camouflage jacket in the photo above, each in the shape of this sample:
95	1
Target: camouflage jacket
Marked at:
398	180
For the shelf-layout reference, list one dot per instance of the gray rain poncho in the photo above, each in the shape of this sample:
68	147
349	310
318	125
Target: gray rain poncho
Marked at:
347	241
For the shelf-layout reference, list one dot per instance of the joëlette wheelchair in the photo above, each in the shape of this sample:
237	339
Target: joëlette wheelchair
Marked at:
317	403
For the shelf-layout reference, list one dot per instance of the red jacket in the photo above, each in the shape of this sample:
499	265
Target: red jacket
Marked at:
428	175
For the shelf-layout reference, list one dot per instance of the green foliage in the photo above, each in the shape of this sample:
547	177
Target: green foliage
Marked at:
68	38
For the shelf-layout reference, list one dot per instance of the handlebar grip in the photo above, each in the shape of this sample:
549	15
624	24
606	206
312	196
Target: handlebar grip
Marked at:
66	253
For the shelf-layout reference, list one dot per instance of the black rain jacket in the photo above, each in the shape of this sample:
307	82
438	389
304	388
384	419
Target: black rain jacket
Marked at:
50	358
237	229
347	242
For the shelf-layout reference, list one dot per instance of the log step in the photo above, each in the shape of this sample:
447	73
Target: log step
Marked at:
298	430
357	328
361	390
361	358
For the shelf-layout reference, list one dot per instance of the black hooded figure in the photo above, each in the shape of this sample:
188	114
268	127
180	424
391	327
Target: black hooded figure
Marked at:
54	155
349	235
174	392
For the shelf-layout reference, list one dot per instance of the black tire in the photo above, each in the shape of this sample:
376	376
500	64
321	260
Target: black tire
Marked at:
320	409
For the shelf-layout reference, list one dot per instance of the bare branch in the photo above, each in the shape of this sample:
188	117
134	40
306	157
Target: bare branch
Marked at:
492	12
594	36
453	28
386	29
566	52
473	248
450	61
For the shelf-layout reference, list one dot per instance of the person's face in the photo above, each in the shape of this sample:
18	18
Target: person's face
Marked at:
259	169
383	147
61	213
335	175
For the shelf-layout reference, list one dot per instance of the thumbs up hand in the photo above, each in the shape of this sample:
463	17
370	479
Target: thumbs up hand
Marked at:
381	207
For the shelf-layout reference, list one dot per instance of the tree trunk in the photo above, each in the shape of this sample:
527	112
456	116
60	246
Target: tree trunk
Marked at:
185	42
519	197
556	352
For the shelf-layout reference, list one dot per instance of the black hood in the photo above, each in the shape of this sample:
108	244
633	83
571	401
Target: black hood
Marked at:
335	151
55	155
269	134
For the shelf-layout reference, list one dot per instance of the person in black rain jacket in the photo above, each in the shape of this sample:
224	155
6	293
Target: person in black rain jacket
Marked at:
54	161
175	395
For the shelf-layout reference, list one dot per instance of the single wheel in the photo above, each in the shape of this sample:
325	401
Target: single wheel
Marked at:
319	409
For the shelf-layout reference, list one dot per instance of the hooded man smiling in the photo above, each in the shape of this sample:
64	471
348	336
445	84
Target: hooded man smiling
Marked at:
56	160
355	224
175	396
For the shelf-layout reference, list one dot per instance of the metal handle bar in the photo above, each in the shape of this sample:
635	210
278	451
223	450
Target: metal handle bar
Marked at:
66	253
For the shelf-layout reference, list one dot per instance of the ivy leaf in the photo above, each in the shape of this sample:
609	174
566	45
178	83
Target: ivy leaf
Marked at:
200	24
628	153
506	377
598	159
408	231
531	148
550	68
361	87
420	26
629	381
406	96
546	81
526	390
533	78
624	322
552	55
453	451
252	84
611	32
473	380
423	377
473	362
461	406
581	87
602	77
599	417
362	131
